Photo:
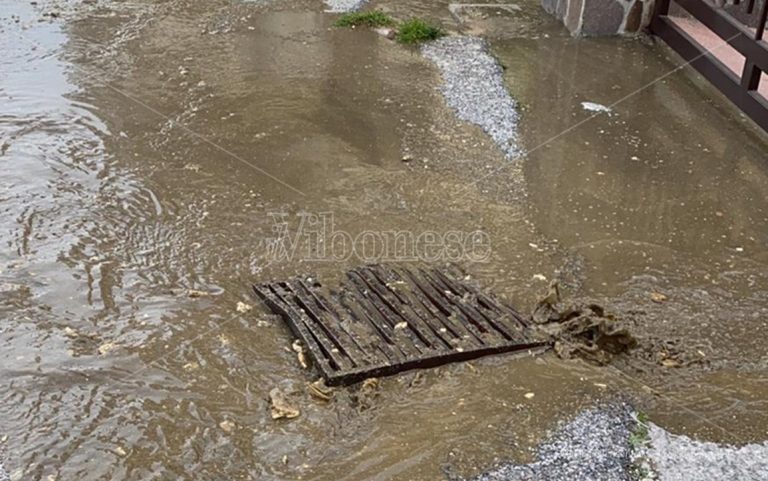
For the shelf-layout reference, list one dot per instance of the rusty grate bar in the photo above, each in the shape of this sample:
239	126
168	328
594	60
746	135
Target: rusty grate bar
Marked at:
387	320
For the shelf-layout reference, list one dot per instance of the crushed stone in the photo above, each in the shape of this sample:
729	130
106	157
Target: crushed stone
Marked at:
473	86
597	446
593	447
679	458
341	6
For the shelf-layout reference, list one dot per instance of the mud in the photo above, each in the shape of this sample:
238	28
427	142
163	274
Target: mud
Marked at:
582	329
146	144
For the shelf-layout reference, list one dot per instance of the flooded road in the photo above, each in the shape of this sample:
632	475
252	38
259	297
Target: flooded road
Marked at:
146	147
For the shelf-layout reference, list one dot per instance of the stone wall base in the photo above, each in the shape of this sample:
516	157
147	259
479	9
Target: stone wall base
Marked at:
601	17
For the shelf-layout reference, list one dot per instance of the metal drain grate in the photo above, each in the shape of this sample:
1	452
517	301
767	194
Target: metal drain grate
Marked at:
386	320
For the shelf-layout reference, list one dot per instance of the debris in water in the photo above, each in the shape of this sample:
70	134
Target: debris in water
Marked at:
227	426
595	107
298	348
191	366
367	393
670	353
242	307
669	362
319	390
658	297
581	330
280	407
529	395
194	294
106	347
86	344
370	384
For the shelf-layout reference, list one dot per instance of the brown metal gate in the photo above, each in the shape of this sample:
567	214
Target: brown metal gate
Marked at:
742	26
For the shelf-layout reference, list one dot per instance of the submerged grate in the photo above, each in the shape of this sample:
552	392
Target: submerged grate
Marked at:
387	319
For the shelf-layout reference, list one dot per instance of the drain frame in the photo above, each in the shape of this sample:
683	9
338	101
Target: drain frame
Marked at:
387	320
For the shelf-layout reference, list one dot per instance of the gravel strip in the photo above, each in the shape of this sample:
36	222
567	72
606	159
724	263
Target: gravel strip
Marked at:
343	5
592	447
3	475
473	86
680	458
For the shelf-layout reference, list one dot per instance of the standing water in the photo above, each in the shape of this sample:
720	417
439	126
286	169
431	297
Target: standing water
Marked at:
147	148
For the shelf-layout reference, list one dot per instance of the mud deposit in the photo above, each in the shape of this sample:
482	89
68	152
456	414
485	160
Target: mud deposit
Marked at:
146	147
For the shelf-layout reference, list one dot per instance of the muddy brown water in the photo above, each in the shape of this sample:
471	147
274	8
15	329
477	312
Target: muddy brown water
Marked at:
144	146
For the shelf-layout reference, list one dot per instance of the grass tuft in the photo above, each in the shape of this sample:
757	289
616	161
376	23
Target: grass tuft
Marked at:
639	468
640	435
417	30
373	19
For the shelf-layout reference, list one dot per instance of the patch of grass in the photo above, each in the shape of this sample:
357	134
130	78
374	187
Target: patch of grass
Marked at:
417	30
373	19
640	435
639	468
640	473
642	417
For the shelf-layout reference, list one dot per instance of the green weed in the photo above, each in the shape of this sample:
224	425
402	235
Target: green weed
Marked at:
640	435
417	30
373	19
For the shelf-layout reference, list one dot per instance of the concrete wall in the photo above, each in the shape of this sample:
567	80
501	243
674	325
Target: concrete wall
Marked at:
601	17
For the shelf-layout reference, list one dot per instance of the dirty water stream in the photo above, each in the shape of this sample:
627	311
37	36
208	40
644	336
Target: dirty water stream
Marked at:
146	146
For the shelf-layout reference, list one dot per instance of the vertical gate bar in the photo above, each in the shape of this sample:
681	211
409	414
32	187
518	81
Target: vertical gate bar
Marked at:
761	22
751	6
662	7
750	77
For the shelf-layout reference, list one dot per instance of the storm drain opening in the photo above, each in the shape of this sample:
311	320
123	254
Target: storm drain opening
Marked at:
388	319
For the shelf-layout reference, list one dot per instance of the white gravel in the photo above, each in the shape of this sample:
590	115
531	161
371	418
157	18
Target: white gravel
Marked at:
680	458
592	447
473	86
3	474
343	5
596	446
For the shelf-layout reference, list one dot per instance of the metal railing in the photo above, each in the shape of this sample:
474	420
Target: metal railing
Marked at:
743	29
